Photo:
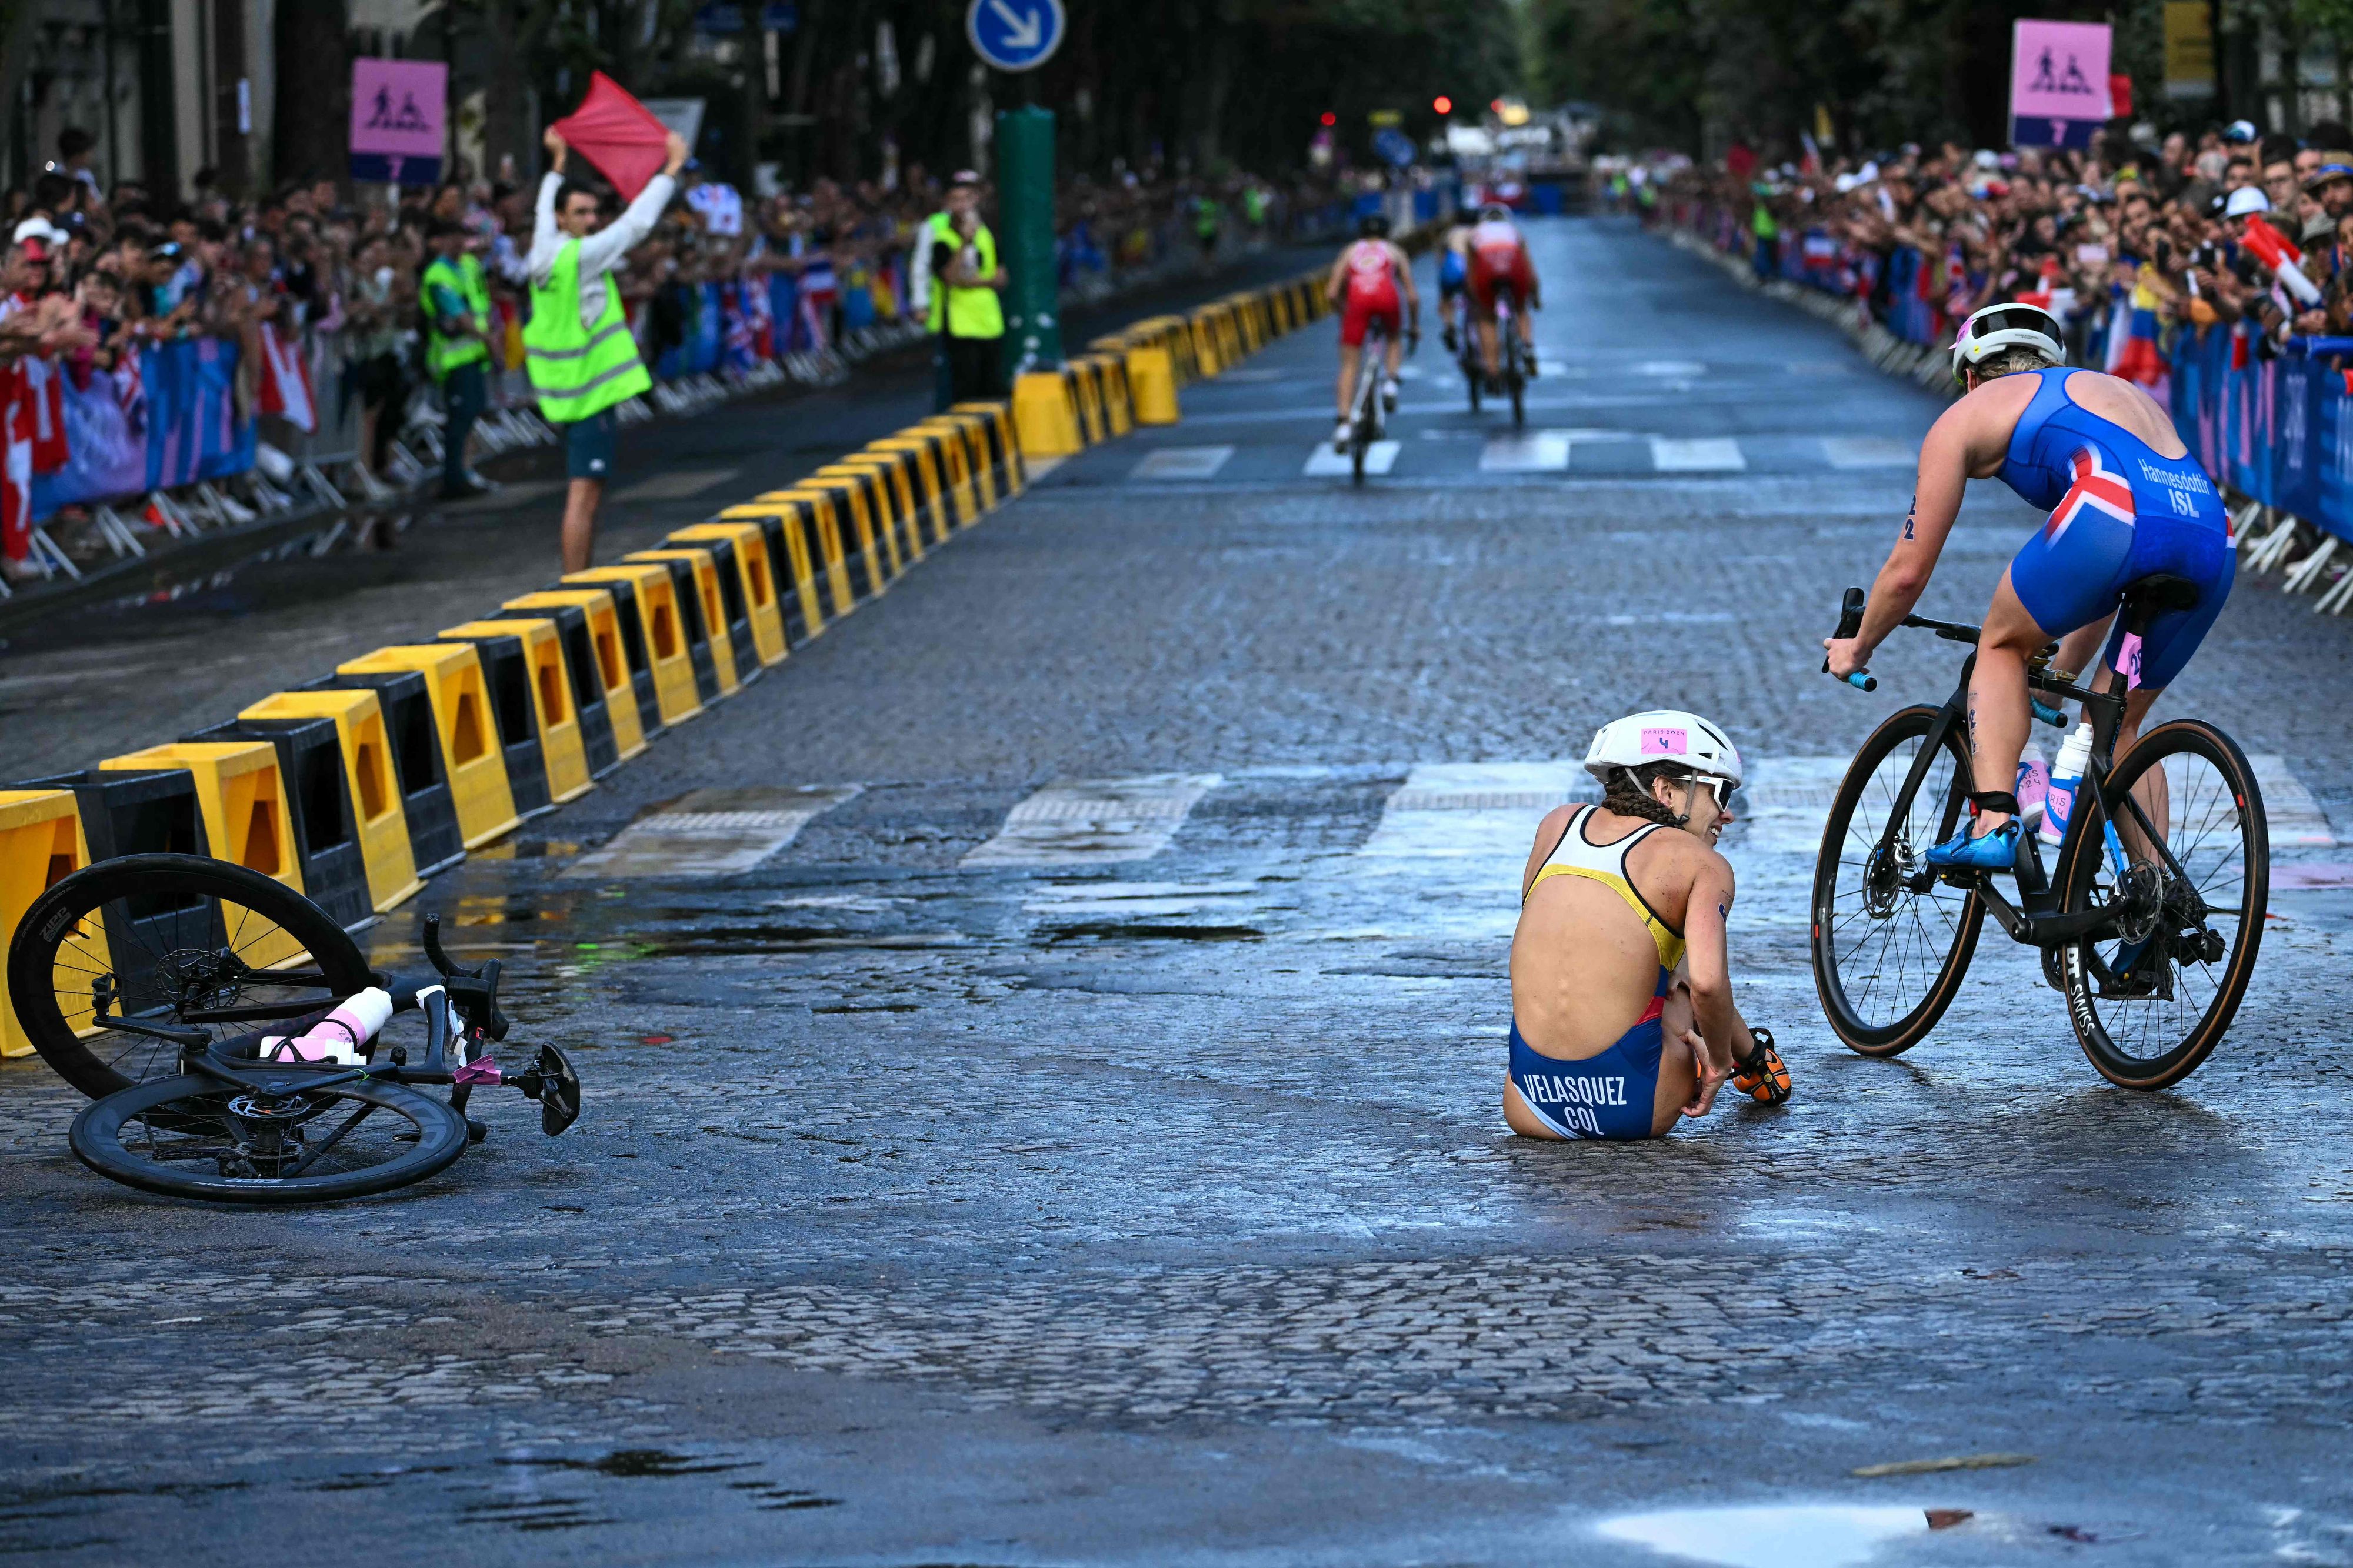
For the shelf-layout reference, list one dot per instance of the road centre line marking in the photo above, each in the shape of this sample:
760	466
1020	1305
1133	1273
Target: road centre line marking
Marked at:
1696	455
1536	451
711	833
1323	463
1094	822
1182	463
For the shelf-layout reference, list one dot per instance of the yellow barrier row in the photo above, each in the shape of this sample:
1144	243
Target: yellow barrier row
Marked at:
355	788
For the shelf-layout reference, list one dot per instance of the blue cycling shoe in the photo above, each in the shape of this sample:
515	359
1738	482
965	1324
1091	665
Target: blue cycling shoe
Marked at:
1995	851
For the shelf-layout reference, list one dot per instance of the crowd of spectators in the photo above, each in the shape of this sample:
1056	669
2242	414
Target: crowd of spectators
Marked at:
93	274
2127	242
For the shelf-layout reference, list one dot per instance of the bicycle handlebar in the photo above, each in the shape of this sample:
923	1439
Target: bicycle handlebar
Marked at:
1849	623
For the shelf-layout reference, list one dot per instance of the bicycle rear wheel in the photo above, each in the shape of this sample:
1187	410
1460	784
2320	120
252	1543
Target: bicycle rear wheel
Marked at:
1515	380
195	1137
175	940
1890	941
2152	999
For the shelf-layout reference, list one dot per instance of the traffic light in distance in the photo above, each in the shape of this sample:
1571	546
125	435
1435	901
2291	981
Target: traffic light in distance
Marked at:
1330	118
1443	104
1497	105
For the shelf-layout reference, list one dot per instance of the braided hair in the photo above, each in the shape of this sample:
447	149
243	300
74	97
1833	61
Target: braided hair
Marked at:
1628	793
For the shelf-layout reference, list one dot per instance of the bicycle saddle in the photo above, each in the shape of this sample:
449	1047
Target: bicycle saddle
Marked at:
2162	592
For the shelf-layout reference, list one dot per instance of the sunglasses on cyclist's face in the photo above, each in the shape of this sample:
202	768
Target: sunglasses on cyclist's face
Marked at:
1722	789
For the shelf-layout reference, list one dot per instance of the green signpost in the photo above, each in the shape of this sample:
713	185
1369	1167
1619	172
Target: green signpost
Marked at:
1025	198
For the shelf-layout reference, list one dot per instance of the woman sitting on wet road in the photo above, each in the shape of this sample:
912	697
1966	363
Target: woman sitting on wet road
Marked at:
1623	1020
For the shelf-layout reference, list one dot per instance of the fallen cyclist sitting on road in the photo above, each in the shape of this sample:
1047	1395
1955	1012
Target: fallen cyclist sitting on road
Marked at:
1623	1020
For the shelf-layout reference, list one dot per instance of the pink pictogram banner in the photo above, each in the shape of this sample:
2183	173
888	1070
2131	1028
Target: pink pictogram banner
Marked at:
399	111
2059	91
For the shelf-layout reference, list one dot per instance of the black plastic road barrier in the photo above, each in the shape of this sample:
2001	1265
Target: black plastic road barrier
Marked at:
588	687
416	741
319	803
506	674
627	611
730	604
690	619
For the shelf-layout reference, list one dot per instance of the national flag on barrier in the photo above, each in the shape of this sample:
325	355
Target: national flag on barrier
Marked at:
45	412
16	470
2133	351
286	381
106	428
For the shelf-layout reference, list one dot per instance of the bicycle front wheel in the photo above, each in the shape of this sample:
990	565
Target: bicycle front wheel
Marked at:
195	1137
175	940
2153	992
1890	941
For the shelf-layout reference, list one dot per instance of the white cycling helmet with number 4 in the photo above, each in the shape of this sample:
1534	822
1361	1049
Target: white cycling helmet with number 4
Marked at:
1665	735
1996	328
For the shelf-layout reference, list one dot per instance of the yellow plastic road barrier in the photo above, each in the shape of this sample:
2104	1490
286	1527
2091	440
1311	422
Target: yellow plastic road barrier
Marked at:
916	461
865	528
697	576
1111	370
790	527
466	726
629	618
966	434
950	494
662	633
506	678
895	474
954	461
563	753
1086	392
323	821
1152	382
1048	418
601	682
242	795
376	814
414	738
828	542
1004	443
755	577
41	843
733	606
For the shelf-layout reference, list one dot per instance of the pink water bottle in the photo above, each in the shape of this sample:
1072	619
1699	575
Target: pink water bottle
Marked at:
338	1037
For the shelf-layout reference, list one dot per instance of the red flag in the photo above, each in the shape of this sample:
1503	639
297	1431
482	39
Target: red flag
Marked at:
286	381
617	133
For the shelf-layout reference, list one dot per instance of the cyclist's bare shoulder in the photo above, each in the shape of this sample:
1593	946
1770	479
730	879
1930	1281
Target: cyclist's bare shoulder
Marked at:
1666	867
1977	428
2123	403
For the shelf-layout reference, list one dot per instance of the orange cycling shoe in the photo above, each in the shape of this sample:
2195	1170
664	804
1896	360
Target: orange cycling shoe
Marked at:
1761	1074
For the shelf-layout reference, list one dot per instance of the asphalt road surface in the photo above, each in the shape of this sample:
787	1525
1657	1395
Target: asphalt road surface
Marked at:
957	1187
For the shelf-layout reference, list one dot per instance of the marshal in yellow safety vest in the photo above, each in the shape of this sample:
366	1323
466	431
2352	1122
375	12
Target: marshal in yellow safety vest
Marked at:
578	371
446	350
965	310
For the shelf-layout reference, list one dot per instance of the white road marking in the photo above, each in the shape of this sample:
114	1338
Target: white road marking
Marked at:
711	833
1536	451
1869	452
1482	810
2294	817
1098	898
1783	801
1679	369
1093	822
676	486
1182	463
1325	463
1696	455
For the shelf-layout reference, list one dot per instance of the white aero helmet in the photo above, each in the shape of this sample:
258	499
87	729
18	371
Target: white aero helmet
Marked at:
2010	326
1665	735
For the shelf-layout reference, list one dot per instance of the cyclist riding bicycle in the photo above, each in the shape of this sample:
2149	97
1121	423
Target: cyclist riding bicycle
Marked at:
1623	1020
1366	282
1454	273
2127	501
1498	263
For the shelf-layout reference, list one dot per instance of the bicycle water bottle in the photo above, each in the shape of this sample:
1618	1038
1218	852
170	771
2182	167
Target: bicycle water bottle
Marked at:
2034	785
2066	776
338	1037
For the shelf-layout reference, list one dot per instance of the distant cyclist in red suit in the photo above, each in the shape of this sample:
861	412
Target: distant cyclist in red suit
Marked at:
1499	262
1367	283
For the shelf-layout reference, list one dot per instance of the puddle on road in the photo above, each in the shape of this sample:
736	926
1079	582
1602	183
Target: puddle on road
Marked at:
1795	1536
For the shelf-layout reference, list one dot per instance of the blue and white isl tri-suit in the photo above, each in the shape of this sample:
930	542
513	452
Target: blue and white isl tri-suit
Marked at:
2118	513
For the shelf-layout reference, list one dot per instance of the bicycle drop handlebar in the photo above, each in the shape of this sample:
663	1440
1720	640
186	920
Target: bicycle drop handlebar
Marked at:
1849	623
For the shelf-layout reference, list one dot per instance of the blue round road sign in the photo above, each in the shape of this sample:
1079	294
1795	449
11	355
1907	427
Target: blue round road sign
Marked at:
1015	35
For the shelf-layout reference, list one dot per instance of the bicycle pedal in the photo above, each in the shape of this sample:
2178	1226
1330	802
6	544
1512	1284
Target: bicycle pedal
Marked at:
475	1130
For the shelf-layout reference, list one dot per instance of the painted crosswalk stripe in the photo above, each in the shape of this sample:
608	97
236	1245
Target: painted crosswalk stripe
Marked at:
1536	451
1325	463
2289	810
711	833
1696	455
1182	463
1868	452
1083	822
1456	810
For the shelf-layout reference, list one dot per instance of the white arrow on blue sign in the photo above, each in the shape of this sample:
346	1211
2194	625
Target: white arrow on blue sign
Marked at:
1015	35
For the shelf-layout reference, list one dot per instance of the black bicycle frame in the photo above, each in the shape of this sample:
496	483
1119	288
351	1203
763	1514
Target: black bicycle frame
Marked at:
2035	919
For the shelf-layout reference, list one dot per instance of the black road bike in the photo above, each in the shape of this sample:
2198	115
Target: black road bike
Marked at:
1368	409
2148	919
150	983
1511	355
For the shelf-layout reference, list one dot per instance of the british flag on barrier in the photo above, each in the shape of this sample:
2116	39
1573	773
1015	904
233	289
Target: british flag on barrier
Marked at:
2097	487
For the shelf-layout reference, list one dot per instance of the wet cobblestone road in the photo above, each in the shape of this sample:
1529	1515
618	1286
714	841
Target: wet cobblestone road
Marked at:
953	1191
